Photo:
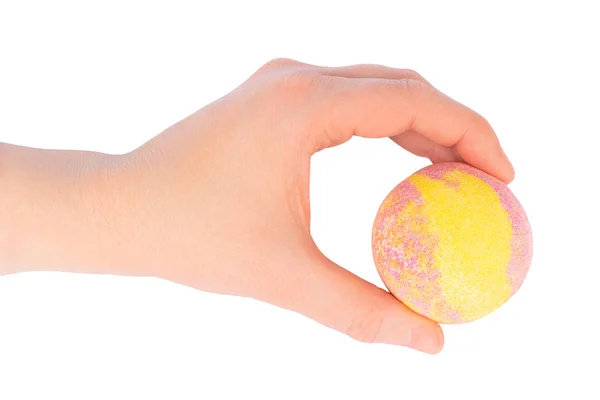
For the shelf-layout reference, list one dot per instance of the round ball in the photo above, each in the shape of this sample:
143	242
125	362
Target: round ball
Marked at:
452	243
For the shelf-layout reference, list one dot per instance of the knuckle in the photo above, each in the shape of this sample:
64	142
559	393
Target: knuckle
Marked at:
287	77
420	92
412	75
415	91
409	86
477	124
278	63
481	122
419	87
366	325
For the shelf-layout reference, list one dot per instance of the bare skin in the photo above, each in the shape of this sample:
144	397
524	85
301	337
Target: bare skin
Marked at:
220	201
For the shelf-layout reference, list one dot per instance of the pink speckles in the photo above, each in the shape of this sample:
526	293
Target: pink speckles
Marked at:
436	171
394	273
521	245
449	314
406	257
403	194
522	253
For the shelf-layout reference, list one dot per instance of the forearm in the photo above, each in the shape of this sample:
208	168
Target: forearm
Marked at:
54	214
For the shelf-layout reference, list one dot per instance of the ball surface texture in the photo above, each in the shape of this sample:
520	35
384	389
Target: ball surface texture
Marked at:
452	243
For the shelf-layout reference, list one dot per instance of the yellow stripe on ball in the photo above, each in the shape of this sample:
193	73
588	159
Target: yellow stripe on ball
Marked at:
474	241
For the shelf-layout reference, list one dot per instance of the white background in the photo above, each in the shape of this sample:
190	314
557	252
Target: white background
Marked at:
108	76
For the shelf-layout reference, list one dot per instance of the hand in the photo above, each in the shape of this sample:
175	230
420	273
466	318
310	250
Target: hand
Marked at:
220	200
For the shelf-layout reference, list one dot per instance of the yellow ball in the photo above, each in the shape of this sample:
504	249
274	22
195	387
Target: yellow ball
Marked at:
452	243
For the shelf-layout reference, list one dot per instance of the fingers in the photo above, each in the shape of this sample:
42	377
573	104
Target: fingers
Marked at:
411	141
377	101
370	107
340	300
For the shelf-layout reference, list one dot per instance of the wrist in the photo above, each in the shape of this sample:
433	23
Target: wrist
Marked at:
55	210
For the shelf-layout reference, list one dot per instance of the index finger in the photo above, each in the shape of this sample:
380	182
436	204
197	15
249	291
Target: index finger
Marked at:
373	108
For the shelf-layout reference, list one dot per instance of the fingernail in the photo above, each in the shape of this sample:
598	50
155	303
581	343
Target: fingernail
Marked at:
426	340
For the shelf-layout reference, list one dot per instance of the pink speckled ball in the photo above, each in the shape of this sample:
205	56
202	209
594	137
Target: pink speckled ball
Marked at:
452	243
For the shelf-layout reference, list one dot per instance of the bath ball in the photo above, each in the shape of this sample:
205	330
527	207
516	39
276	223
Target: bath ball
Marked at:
452	243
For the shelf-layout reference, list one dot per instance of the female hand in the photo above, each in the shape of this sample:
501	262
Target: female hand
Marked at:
220	200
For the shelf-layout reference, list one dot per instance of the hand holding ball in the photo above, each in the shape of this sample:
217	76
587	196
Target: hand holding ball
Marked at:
452	243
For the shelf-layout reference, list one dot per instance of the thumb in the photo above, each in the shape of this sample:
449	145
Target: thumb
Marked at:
336	298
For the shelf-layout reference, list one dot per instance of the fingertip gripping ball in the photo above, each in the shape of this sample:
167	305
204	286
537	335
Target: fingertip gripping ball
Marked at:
452	243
